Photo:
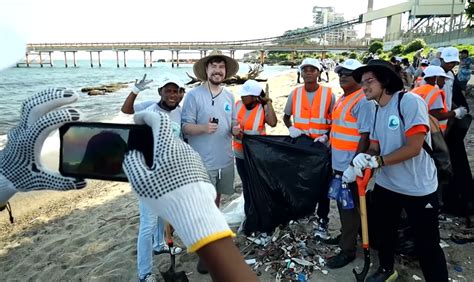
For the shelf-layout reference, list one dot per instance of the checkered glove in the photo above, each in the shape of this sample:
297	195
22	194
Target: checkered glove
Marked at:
176	187
20	164
141	85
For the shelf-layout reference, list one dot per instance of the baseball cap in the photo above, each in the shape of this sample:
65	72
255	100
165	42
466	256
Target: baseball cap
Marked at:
250	88
440	50
434	71
311	62
450	54
170	78
350	64
425	62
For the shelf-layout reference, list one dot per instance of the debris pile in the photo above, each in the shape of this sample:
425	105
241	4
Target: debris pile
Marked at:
290	253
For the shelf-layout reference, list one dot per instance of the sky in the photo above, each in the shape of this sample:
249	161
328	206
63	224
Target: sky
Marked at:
47	21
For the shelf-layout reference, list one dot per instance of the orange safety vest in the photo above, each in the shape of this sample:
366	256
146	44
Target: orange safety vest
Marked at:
344	132
252	122
313	119
419	79
430	93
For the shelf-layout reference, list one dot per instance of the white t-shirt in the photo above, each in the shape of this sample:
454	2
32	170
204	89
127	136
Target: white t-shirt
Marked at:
448	88
175	115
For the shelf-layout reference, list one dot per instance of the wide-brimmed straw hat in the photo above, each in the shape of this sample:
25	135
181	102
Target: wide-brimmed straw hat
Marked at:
231	65
380	67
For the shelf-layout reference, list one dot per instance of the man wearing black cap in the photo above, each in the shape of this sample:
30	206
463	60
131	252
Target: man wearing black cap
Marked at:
407	177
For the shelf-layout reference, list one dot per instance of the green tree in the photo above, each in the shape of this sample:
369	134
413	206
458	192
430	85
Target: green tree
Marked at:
397	49
353	56
374	46
414	45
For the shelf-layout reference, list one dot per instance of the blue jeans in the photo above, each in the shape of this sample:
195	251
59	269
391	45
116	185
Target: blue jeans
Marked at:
150	236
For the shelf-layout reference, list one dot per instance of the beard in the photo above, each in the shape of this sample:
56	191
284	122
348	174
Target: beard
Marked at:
250	106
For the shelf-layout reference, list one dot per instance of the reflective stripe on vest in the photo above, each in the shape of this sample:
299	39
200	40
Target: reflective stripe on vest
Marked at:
312	119
344	132
252	122
429	93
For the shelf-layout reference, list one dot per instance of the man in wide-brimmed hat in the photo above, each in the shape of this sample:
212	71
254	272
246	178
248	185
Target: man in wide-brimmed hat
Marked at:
407	177
208	113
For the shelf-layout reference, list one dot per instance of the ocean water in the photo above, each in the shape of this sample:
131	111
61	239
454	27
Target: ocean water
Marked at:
16	84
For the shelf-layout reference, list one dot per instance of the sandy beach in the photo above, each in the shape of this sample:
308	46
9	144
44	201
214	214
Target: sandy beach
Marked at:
90	234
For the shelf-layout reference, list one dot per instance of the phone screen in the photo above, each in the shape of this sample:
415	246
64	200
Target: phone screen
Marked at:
97	150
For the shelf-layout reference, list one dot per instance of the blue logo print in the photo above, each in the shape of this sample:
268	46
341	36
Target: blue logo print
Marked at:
393	122
227	108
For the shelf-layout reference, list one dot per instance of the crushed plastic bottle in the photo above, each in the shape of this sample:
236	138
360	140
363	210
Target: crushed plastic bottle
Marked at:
335	187
345	197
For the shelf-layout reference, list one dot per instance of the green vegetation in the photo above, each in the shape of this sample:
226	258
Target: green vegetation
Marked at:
375	46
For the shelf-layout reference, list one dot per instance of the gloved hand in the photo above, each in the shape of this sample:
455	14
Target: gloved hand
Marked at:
373	162
460	112
177	186
141	85
322	139
20	164
349	175
361	160
294	132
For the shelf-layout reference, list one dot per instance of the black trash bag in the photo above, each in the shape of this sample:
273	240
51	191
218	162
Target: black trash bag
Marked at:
287	177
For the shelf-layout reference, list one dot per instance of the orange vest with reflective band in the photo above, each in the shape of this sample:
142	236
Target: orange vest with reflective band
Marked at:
430	93
251	122
313	119
344	132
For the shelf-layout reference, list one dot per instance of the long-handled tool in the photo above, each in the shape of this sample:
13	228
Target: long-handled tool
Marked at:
361	186
171	275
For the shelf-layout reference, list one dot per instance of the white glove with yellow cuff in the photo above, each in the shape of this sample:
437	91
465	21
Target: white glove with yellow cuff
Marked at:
177	186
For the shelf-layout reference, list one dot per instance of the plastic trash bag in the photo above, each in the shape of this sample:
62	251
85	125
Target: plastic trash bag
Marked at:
234	212
287	177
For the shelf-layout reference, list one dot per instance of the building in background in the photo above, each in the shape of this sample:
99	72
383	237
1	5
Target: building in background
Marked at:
325	16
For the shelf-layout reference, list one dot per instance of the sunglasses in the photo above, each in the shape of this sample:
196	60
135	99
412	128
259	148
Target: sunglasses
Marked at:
344	72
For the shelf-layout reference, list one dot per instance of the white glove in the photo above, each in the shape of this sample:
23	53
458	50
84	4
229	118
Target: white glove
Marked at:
184	197
294	132
460	112
373	163
349	175
20	163
322	139
361	160
141	85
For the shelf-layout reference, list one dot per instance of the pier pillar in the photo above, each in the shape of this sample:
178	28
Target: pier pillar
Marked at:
65	59
177	58
41	59
27	60
124	59
151	59
232	54
323	54
172	58
50	59
144	59
98	57
90	54
262	57
118	62
74	58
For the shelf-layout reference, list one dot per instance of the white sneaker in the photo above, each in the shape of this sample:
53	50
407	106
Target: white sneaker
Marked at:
149	278
322	231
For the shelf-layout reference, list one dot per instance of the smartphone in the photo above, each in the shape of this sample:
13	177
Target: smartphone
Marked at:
97	150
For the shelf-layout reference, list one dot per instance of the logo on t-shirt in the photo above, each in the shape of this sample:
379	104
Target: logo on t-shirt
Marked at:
393	122
227	107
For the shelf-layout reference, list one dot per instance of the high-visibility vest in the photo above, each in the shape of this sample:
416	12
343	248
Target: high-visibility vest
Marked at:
344	132
419	79
252	122
430	93
313	119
